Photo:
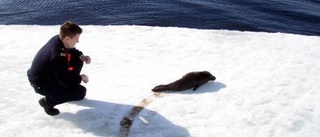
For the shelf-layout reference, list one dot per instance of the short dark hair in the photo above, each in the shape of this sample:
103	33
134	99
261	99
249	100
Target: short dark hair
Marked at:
70	29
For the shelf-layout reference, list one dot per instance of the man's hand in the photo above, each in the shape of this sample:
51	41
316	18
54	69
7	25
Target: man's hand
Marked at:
84	78
86	59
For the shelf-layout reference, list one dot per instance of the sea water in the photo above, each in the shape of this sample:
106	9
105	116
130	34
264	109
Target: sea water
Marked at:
286	16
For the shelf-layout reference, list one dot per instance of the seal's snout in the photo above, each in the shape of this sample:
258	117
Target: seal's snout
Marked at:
208	74
212	78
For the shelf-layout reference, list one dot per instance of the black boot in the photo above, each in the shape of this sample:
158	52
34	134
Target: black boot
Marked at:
48	108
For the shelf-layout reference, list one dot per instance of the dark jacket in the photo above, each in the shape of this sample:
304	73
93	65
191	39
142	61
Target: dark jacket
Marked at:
51	65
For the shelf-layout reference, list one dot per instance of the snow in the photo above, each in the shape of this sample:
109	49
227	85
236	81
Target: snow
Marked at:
266	86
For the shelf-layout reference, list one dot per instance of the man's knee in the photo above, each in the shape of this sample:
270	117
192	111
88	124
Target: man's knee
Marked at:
81	92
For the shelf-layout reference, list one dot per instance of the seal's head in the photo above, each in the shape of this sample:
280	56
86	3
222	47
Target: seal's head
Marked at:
209	75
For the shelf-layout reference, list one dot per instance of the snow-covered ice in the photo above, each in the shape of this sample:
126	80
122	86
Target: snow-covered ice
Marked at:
267	83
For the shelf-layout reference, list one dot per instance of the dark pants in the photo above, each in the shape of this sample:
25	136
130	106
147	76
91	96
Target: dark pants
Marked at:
56	94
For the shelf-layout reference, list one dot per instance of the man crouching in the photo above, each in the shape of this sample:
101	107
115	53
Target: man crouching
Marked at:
55	69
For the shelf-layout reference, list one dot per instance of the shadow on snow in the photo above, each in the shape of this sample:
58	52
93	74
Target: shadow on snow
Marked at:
103	119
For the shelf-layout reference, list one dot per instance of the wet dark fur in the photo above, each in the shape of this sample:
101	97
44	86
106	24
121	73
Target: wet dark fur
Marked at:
190	80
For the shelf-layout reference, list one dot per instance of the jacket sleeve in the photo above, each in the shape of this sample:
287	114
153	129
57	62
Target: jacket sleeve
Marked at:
76	53
59	70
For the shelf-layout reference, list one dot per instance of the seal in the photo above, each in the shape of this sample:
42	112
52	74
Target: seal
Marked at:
190	80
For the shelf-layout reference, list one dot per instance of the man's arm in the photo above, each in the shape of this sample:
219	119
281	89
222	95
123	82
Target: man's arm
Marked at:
60	72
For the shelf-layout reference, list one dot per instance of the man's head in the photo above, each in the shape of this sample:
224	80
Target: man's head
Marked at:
69	34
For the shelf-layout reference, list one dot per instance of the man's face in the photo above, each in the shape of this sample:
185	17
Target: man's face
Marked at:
71	42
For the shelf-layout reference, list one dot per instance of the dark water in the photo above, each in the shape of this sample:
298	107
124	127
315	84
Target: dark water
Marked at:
287	16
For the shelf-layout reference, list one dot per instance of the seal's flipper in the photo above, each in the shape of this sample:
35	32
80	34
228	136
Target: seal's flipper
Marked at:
196	87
